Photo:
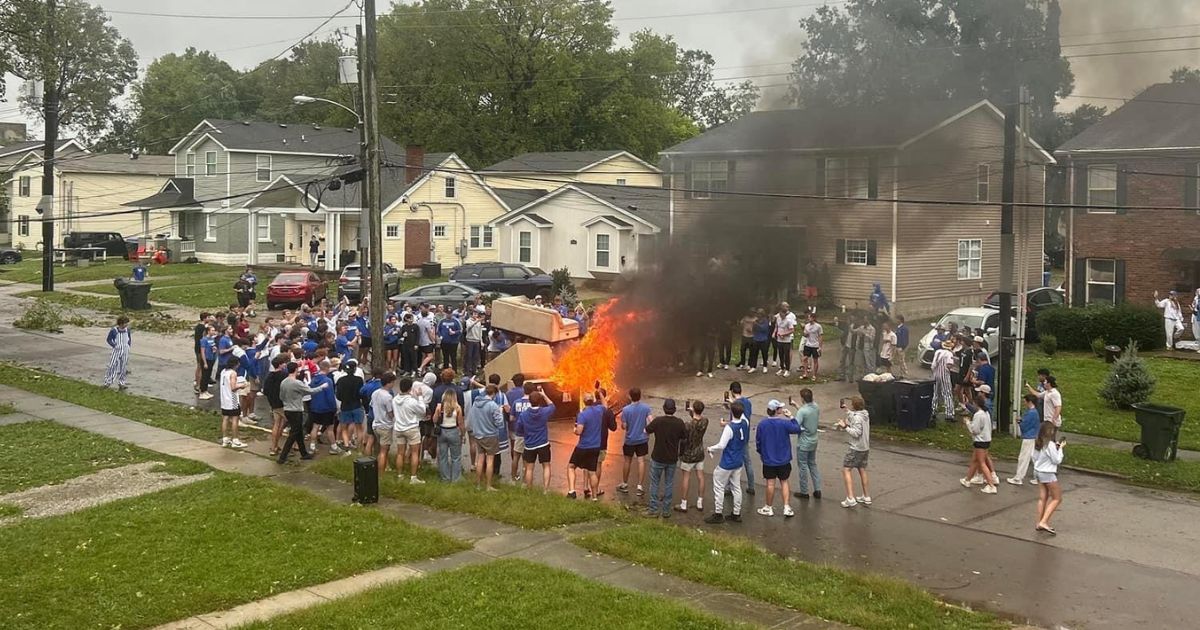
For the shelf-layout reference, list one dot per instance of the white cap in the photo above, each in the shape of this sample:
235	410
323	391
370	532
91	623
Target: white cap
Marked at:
985	389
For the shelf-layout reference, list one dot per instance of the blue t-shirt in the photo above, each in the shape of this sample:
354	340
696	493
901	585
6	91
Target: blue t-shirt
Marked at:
341	345
902	336
734	455
987	374
532	423
592	421
746	407
323	401
1031	421
449	330
224	343
762	330
773	441
309	347
209	350
634	416
369	388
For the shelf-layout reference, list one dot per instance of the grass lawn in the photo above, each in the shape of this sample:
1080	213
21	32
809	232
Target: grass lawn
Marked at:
1080	376
6	408
190	550
205	290
197	423
45	453
30	270
733	563
504	594
510	504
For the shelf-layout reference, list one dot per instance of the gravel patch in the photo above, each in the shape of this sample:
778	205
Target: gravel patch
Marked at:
95	489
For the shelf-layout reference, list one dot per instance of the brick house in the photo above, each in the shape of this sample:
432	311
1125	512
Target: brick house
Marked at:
927	257
1145	153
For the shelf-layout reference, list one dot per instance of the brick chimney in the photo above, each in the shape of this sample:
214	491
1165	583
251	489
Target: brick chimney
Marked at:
414	162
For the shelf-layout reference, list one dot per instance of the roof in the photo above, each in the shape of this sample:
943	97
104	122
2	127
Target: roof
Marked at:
252	136
517	197
879	126
623	205
162	165
391	186
31	145
178	192
1163	116
558	161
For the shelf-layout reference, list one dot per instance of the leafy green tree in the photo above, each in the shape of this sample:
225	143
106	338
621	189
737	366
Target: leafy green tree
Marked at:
178	92
310	69
1185	74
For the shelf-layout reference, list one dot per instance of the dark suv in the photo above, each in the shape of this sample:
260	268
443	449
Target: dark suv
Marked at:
111	242
350	282
509	278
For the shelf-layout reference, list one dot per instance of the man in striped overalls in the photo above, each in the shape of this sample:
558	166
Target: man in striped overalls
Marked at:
943	363
119	339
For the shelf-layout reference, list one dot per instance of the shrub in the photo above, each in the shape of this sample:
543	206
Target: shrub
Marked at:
1098	346
48	316
563	286
1116	325
1049	344
1129	381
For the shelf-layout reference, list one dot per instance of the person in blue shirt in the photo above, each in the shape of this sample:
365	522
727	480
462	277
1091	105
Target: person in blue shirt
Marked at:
368	389
516	400
984	372
735	395
344	343
322	408
773	441
1031	422
899	367
637	442
588	425
449	332
532	422
362	326
762	339
734	438
208	356
224	348
391	341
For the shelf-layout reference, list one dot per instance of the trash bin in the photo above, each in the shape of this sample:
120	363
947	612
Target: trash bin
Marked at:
1045	278
914	404
1111	353
1160	431
347	257
135	296
879	398
431	270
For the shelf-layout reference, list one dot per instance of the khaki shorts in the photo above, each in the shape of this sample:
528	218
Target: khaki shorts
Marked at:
689	466
384	437
489	445
410	436
518	444
277	415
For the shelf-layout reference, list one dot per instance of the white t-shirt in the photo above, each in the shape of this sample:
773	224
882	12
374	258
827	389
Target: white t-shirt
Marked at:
785	325
1052	407
381	408
812	335
886	343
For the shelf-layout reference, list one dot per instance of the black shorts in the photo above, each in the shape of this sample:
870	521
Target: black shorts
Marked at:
236	411
391	345
323	418
426	428
983	445
782	473
810	351
539	455
636	450
956	379
426	349
585	458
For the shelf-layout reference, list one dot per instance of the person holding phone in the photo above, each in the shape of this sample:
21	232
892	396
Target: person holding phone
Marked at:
1048	454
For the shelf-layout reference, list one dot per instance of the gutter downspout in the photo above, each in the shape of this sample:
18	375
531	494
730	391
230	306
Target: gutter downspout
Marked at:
671	201
1069	283
462	252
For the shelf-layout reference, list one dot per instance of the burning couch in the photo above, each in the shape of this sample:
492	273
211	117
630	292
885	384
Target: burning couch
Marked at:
549	336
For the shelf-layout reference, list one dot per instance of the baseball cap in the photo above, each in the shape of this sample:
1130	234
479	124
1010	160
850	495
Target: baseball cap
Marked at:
480	309
774	405
985	389
978	339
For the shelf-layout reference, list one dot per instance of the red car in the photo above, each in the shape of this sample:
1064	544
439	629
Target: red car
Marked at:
295	287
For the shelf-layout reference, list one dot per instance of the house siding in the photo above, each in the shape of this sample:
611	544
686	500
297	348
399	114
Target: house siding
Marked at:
95	194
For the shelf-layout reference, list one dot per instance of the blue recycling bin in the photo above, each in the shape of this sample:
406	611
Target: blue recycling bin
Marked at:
1045	278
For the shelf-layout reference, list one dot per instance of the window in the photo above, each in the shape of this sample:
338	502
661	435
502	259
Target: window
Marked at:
481	237
264	227
490	273
190	164
210	163
525	247
262	168
512	272
708	177
620	181
983	183
602	250
24	186
970	259
392	230
856	251
1102	188
210	228
439	230
847	177
451	184
1101	281
23	225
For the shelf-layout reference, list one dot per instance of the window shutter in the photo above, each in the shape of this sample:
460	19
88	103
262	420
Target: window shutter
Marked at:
1079	282
819	183
1189	187
873	177
1081	188
872	250
1122	190
841	252
1119	285
687	179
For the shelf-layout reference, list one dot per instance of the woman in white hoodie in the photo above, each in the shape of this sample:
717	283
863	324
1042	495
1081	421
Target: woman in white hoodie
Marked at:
1047	455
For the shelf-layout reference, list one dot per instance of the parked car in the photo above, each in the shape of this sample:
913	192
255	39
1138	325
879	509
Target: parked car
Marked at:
350	282
452	294
295	287
9	256
508	278
111	242
1036	300
974	317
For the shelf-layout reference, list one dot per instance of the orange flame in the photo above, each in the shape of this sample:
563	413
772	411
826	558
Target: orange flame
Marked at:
597	354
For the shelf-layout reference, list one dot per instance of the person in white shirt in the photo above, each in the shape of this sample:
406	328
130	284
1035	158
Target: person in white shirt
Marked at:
231	411
785	328
1051	401
384	418
1048	454
408	411
810	360
980	426
1172	316
887	346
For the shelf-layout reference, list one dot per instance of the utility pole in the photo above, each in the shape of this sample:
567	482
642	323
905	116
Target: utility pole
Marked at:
50	113
370	91
1007	193
1024	249
364	219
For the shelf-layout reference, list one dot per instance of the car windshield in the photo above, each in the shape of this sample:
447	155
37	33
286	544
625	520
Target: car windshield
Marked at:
291	278
351	272
962	320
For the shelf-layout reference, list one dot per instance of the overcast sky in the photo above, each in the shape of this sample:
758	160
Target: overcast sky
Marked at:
747	37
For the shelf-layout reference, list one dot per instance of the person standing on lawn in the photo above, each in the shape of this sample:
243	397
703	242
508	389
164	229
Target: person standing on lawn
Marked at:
810	361
899	366
1051	400
857	425
735	436
231	412
199	332
670	438
408	411
383	419
292	392
247	292
1030	425
887	346
351	415
120	339
1172	316
762	341
450	428
633	421
485	418
1196	318
735	395
773	441
1048	454
691	460
808	414
271	387
941	366
785	329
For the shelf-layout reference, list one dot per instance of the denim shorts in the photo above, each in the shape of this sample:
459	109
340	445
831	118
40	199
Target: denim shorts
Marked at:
353	416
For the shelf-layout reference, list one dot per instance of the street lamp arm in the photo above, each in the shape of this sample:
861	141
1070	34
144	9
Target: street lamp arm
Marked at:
304	100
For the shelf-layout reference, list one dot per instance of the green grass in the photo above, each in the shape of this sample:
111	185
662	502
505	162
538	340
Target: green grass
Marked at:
510	504
500	595
152	320
7	408
197	423
30	270
206	290
44	453
1080	376
728	562
7	510
198	548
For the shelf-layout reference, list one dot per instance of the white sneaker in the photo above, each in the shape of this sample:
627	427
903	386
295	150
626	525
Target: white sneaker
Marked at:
1014	481
773	362
995	479
766	510
977	480
849	502
205	396
253	417
700	505
863	500
786	373
749	370
1034	481
413	479
312	447
334	450
787	511
764	369
726	366
778	372
699	374
989	490
710	375
225	441
237	444
965	483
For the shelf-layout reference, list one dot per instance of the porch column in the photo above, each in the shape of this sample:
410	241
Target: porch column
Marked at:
337	238
330	243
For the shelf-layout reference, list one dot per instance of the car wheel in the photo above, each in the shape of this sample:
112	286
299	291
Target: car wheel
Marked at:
271	306
9	258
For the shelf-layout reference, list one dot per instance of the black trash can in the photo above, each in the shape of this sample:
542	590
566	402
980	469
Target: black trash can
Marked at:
1160	431
347	257
880	400
1111	353
366	481
431	270
135	296
914	404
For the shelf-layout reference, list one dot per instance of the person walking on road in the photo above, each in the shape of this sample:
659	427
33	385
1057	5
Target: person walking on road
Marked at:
810	361
1172	316
735	437
691	460
808	414
120	339
1048	454
773	441
857	425
1030	425
670	438
633	421
899	365
980	427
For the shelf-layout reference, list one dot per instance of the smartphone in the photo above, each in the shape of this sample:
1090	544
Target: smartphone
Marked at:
726	395
842	403
791	401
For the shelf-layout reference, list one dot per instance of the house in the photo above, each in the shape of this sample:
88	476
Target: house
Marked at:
90	190
550	169
1146	153
845	198
594	230
20	152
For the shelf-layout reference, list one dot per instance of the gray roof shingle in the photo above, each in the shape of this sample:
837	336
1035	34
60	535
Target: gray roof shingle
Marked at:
291	138
650	204
518	197
1166	115
551	161
163	165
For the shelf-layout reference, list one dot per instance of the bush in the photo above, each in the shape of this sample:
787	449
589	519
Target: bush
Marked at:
1076	328
1049	344
1098	346
47	316
1129	381
563	286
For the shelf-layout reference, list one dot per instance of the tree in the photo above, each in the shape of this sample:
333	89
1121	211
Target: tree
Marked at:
1129	382
310	69
696	95
88	60
1185	74
178	92
1071	124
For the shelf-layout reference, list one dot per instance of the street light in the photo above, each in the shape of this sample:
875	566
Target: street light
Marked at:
301	99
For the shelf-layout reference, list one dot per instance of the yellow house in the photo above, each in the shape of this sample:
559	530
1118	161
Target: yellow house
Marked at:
90	190
548	171
17	155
